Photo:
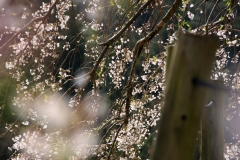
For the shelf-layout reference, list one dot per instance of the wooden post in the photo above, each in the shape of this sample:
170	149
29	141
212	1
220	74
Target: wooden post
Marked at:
192	57
212	140
169	55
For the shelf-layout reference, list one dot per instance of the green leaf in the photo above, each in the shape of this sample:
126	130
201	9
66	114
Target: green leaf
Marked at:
154	58
187	24
100	72
221	27
179	15
112	3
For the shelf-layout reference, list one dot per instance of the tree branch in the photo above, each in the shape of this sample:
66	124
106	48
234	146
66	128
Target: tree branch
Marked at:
113	143
215	5
115	37
138	48
93	71
29	24
131	20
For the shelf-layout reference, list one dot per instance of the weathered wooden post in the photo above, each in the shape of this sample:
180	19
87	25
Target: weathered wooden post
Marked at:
192	59
212	139
169	56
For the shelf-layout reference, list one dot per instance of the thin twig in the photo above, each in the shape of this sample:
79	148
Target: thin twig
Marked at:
110	152
29	24
215	5
131	20
93	71
110	128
